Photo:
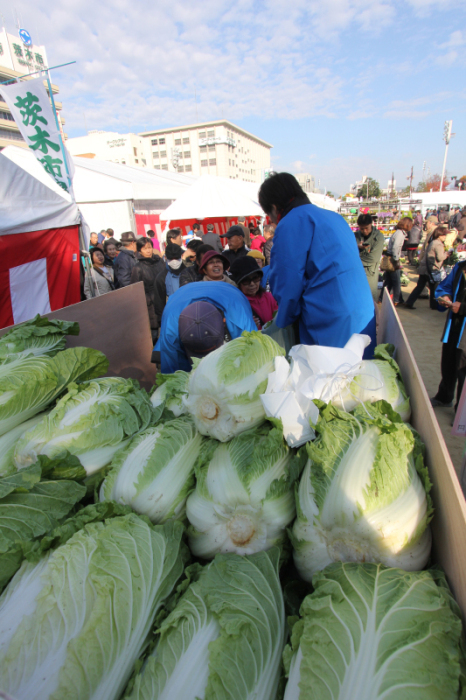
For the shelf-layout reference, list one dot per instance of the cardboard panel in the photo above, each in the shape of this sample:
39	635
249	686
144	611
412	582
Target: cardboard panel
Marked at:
117	324
449	523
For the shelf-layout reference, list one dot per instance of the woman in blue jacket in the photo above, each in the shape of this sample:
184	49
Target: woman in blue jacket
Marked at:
316	274
451	294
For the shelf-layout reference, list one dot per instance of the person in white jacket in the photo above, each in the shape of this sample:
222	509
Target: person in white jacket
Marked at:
392	280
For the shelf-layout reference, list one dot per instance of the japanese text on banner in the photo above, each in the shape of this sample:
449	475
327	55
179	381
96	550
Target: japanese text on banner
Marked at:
30	106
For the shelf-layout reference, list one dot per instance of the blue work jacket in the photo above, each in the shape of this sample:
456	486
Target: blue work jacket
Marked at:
449	287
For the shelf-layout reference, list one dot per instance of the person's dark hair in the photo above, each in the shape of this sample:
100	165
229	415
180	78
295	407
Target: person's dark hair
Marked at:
111	241
173	251
280	189
93	233
110	231
93	251
257	232
172	233
269	228
439	231
404	221
251	225
194	245
364	220
203	248
196	227
150	233
141	242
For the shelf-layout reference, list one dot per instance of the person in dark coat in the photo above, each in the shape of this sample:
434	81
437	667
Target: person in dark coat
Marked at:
168	278
192	274
211	238
110	251
247	235
126	260
269	230
146	270
412	242
461	226
236	247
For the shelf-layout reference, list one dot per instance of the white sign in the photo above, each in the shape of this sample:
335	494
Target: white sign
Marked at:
30	106
116	143
217	139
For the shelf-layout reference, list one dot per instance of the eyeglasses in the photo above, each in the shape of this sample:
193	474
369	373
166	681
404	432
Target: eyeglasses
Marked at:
252	280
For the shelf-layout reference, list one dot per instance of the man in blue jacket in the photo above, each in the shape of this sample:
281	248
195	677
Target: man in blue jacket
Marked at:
228	299
316	274
451	295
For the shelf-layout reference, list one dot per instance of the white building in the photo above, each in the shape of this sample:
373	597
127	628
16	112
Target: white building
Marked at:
126	149
307	181
214	148
18	59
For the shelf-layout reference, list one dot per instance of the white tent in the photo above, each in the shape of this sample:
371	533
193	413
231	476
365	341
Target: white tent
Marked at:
322	201
30	200
214	197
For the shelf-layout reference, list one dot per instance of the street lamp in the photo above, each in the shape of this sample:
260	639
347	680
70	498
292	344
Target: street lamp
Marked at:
446	137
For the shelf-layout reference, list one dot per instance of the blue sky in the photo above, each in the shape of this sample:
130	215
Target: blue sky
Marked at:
341	88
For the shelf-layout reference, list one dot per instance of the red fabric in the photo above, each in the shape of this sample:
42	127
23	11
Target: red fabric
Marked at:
263	306
60	246
151	222
257	243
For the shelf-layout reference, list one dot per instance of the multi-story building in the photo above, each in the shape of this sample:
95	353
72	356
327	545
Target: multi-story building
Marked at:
307	181
18	59
128	149
215	148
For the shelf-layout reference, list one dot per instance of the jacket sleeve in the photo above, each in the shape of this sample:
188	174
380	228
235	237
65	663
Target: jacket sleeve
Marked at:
124	273
445	288
136	275
287	271
87	287
397	244
160	294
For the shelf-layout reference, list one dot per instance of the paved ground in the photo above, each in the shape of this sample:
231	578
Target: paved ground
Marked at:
424	328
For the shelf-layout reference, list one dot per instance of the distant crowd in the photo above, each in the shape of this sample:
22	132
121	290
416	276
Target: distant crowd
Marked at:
196	257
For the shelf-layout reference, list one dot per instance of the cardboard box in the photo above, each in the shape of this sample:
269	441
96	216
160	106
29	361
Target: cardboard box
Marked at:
449	523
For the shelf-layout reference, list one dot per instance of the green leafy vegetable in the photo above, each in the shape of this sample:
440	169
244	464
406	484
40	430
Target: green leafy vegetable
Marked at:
92	421
371	633
40	336
224	388
224	639
73	624
30	385
169	393
155	473
362	495
244	495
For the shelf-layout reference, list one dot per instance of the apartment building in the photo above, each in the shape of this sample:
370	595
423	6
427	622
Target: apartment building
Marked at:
215	148
307	181
18	59
127	149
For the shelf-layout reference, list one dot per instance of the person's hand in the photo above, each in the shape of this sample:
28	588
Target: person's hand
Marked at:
360	245
257	322
444	301
455	307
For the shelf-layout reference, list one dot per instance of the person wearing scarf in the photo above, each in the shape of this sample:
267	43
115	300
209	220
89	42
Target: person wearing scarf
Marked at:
168	279
213	266
248	276
100	280
316	275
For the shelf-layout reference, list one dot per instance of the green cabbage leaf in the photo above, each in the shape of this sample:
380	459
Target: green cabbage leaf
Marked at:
167	397
363	495
224	639
92	421
224	389
73	624
155	473
375	633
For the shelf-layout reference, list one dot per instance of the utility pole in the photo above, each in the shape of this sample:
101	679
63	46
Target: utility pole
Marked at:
446	137
410	178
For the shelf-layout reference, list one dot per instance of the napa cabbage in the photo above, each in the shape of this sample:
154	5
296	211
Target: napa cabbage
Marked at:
373	633
73	624
363	495
8	442
224	639
244	495
224	389
155	472
29	385
39	336
169	392
92	421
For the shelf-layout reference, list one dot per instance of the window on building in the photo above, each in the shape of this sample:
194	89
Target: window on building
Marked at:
203	163
7	116
165	167
211	133
135	150
123	162
136	160
186	140
177	142
229	161
187	154
180	169
156	167
203	149
187	168
161	141
155	155
153	142
202	134
212	148
213	161
143	161
163	154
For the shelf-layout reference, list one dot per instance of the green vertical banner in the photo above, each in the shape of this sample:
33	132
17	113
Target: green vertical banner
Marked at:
30	106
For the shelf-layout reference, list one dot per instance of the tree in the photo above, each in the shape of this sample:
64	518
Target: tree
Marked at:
405	192
432	183
422	187
369	188
330	194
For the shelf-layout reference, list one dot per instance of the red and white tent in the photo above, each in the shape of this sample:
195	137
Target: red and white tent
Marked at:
39	243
